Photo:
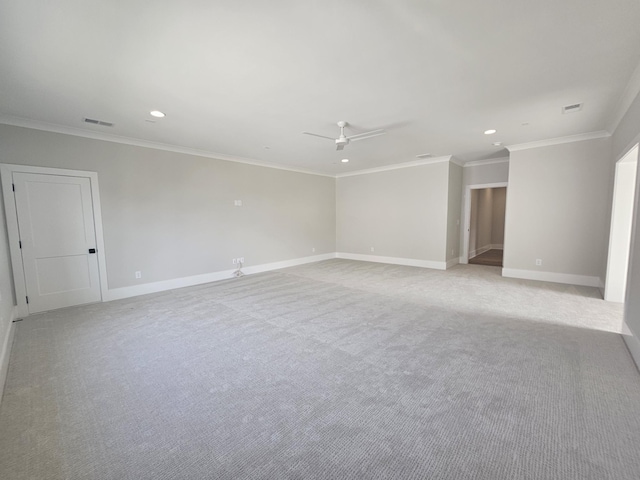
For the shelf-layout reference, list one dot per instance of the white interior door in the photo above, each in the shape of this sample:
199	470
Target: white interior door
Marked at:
58	240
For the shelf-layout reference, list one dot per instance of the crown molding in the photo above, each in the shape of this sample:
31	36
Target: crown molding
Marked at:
78	132
489	161
629	94
397	166
457	161
557	141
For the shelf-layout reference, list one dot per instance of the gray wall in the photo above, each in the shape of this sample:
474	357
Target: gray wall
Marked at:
401	213
453	211
484	219
557	204
497	216
483	174
172	215
6	297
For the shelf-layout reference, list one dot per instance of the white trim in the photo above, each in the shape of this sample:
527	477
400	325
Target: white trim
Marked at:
568	278
633	344
6	172
486	248
410	262
452	262
5	352
557	141
479	251
491	161
467	215
146	288
621	226
629	94
79	132
415	163
457	161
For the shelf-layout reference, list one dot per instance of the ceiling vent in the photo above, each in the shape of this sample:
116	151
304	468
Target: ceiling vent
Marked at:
97	122
424	155
576	107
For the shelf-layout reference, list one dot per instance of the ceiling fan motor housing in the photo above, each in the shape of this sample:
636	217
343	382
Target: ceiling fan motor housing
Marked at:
342	141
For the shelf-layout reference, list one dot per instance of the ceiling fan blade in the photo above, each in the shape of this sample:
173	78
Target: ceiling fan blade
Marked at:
372	133
316	135
340	146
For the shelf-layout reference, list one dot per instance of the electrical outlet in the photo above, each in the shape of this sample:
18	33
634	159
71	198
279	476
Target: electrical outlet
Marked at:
241	259
538	262
372	249
237	203
313	250
235	260
138	274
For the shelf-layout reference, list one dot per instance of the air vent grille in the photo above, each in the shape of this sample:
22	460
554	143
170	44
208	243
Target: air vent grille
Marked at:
576	107
93	121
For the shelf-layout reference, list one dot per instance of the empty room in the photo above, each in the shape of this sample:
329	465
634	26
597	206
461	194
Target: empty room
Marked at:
319	240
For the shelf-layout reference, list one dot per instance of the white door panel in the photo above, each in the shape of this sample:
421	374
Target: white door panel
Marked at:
55	219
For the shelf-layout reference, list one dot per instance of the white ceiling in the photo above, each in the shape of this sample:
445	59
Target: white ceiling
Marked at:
237	76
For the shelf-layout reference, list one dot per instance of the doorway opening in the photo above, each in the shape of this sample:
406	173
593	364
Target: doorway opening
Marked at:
624	188
484	224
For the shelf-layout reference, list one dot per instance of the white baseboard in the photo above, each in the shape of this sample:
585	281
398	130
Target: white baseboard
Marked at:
463	260
567	278
479	251
5	352
633	344
410	262
146	288
452	262
601	286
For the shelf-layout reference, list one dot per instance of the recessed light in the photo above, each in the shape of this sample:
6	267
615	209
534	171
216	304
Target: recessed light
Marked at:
491	131
156	113
345	160
496	144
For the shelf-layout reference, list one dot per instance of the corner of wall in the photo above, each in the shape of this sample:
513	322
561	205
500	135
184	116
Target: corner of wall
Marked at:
5	351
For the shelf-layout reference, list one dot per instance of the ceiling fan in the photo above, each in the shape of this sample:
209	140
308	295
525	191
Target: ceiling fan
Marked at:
343	140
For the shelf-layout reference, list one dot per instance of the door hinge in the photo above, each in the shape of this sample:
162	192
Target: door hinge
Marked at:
20	243
27	299
13	187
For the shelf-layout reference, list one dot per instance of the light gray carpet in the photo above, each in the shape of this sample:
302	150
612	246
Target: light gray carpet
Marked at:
336	370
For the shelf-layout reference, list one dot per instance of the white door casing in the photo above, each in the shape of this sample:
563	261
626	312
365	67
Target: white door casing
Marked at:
55	216
621	225
464	258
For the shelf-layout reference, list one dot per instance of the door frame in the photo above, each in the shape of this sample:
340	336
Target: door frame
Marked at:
621	226
6	173
464	258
